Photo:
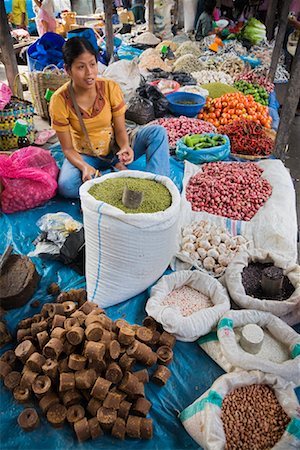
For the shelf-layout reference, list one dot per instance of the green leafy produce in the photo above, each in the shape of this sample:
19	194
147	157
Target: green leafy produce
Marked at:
259	93
254	31
203	141
218	89
156	196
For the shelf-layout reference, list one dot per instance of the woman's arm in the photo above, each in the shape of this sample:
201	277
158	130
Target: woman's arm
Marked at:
125	154
73	156
38	3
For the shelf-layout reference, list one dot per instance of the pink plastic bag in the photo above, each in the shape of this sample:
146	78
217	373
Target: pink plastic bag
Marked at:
28	177
5	95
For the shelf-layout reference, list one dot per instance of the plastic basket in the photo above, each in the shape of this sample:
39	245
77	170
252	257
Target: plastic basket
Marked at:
185	109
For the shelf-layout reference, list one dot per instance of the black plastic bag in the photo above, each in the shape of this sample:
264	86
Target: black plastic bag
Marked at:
140	110
184	78
152	93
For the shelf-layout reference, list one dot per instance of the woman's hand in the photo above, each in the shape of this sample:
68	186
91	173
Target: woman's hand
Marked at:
126	155
88	172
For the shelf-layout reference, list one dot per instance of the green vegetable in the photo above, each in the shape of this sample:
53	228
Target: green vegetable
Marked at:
156	196
203	141
259	93
218	89
254	31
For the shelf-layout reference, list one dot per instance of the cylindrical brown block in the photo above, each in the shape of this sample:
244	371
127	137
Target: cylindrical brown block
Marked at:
12	380
84	379
56	415
94	332
133	427
112	400
100	388
114	373
50	368
77	362
41	385
53	348
118	324
141	407
142	375
79	315
131	385
149	322
58	321
106	322
28	420
71	397
119	428
161	375
21	395
106	417
98	364
58	333
126	335
106	338
68	348
55	308
94	427
5	369
93	406
126	362
167	339
35	362
37	318
70	323
164	354
144	334
24	350
25	323
94	350
146	429
75	413
151	360
45	310
23	333
69	308
37	327
47	401
75	335
66	381
87	307
42	338
114	349
124	409
82	430
155	338
10	358
53	289
28	378
142	353
92	318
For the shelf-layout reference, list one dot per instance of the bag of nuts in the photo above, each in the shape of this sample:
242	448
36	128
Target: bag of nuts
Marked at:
188	303
248	410
287	307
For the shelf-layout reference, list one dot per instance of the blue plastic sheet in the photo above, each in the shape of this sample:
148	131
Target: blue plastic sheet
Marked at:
193	371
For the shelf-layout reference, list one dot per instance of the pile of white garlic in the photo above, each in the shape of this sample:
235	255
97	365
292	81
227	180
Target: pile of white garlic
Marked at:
208	246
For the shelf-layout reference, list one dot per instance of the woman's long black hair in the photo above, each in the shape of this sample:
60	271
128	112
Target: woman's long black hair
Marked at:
74	47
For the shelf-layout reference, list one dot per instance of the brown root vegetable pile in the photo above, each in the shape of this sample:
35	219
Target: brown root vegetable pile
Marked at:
252	418
234	190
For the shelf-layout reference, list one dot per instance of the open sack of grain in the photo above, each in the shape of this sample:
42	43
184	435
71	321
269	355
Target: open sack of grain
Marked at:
127	252
244	408
244	281
188	304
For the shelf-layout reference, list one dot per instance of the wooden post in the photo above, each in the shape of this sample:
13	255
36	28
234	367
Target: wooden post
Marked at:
94	6
279	38
270	19
151	16
109	33
289	107
8	53
175	13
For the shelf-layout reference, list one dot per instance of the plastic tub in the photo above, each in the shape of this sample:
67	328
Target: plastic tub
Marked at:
166	84
188	110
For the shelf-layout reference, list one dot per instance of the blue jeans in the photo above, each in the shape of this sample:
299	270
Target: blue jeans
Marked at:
151	140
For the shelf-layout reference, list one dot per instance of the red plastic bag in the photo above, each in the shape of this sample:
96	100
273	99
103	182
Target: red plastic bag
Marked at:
28	178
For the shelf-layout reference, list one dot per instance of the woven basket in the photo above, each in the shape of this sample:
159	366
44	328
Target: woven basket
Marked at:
50	78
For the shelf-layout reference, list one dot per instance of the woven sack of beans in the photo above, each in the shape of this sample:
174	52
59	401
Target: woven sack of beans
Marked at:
239	411
287	307
188	304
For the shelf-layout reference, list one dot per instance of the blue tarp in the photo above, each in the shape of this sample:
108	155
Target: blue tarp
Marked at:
193	371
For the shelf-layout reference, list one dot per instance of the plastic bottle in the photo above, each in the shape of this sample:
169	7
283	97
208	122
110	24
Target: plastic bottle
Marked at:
21	129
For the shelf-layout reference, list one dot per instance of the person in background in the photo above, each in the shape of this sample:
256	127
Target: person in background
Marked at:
102	109
205	22
19	14
45	16
138	10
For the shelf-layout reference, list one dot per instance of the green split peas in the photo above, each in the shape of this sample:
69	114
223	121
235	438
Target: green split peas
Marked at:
156	196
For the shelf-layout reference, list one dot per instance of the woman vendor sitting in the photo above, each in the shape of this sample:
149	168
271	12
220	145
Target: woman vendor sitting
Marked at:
88	141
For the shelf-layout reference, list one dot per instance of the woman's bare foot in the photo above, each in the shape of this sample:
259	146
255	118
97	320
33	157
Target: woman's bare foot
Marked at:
120	166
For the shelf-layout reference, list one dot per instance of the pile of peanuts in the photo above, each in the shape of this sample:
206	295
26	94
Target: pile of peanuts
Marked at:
235	190
78	364
252	418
